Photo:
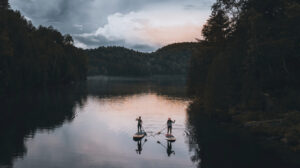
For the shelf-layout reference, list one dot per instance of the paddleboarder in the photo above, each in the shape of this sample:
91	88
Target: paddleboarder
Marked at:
139	125
169	125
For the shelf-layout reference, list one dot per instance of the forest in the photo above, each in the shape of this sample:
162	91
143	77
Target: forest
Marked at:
246	69
172	59
42	57
36	57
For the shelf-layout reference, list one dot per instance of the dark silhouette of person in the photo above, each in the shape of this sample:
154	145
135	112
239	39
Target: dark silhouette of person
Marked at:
169	149
139	147
139	125
169	125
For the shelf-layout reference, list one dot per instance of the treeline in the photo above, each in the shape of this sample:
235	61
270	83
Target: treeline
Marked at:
36	57
247	68
119	61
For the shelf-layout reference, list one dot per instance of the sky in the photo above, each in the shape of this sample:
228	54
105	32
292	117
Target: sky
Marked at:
143	25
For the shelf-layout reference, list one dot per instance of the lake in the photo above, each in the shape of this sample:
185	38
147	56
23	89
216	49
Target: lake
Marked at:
92	124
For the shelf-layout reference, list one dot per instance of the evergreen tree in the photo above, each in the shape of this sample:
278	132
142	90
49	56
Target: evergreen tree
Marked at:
4	4
247	66
36	57
217	27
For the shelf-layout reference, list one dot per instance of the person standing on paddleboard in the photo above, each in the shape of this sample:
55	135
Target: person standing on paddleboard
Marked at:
169	125
140	122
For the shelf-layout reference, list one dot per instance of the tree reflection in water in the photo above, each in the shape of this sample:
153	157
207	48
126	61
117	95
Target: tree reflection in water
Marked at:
28	114
24	113
215	146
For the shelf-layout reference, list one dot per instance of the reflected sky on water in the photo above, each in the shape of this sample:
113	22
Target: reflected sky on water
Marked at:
91	125
100	135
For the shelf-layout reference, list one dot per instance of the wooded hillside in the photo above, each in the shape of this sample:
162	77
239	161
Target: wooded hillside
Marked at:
247	67
36	57
169	60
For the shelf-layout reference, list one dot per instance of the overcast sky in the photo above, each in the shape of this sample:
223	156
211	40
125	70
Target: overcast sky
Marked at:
143	25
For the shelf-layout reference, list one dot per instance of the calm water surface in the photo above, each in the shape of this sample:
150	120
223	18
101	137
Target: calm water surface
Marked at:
91	126
99	131
101	135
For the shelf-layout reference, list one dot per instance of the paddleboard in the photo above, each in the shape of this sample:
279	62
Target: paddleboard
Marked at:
139	135
170	138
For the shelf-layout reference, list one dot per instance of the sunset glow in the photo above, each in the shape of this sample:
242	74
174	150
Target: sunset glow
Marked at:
143	25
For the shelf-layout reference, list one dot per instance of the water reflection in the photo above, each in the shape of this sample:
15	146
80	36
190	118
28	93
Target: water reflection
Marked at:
26	113
93	127
140	145
101	87
215	146
168	148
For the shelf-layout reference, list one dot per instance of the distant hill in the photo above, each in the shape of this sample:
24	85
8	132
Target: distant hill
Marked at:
173	58
119	61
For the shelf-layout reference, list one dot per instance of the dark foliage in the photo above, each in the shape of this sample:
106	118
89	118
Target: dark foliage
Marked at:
36	57
247	66
4	4
228	146
23	115
172	60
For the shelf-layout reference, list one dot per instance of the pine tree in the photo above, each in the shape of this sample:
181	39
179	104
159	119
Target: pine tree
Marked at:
217	27
4	4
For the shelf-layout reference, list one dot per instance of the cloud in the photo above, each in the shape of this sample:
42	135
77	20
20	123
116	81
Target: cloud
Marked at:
153	28
78	26
129	23
80	45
